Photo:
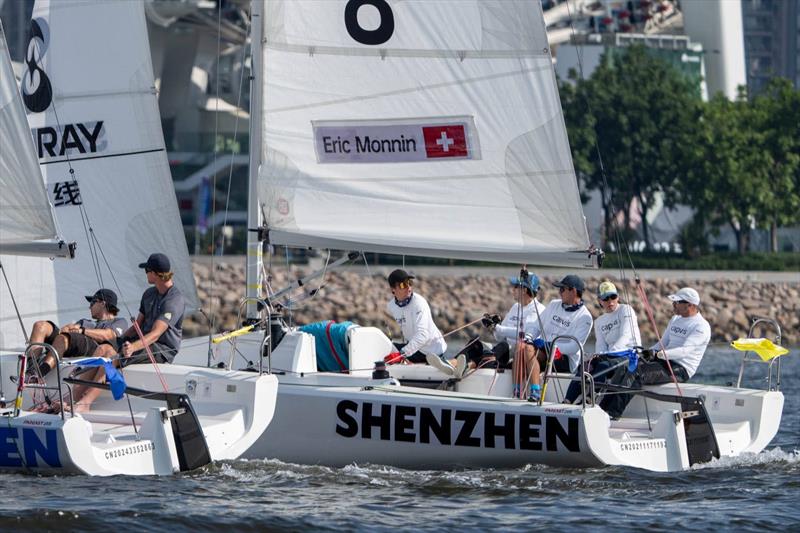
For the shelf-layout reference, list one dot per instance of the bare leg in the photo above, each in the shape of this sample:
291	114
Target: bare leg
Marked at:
41	330
60	345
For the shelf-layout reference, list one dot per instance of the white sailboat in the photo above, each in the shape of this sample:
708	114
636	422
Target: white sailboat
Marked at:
92	110
435	129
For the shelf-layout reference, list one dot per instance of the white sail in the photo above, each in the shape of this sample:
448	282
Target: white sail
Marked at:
92	108
417	127
25	212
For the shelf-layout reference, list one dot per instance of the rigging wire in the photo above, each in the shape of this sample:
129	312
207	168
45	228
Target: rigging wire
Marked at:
212	306
621	244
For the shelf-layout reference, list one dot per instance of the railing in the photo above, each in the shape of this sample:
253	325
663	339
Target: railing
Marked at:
774	363
585	377
41	386
267	333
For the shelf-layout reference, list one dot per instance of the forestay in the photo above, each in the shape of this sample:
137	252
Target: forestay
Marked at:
417	127
25	213
100	118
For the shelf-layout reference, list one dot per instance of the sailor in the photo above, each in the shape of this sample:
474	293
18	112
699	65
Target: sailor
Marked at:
83	337
160	319
683	343
562	316
160	316
616	331
526	308
422	340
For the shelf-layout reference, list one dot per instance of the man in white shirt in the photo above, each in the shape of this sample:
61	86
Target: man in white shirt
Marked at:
616	330
526	307
683	343
562	316
422	340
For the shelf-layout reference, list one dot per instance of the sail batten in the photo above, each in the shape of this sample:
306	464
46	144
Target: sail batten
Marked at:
422	128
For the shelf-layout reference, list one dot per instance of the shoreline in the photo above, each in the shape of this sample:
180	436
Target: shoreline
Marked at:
460	294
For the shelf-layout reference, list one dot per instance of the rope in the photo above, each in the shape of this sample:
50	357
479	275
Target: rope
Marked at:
150	355
649	311
468	324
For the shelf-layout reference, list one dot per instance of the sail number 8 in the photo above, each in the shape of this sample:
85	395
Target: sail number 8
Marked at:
379	35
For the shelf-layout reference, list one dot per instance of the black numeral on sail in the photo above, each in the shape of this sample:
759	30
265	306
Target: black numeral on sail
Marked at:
379	35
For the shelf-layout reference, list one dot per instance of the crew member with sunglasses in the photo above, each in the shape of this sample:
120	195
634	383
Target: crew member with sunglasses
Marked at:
683	343
566	315
160	319
422	340
616	330
83	337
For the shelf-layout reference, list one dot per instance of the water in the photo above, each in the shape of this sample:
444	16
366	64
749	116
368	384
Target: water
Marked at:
754	492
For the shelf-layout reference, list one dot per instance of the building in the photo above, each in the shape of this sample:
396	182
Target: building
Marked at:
772	41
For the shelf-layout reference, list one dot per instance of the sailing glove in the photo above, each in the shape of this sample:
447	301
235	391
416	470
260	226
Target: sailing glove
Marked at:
490	321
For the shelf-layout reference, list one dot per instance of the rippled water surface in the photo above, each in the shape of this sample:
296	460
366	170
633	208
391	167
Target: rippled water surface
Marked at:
754	492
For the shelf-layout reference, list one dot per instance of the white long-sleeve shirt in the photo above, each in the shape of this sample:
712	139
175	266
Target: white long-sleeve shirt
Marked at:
508	331
685	341
617	331
416	323
557	321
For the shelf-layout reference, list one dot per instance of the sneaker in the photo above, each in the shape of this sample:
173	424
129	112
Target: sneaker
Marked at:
441	365
461	366
535	394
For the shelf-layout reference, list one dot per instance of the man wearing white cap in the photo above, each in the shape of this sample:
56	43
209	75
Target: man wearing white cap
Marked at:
683	342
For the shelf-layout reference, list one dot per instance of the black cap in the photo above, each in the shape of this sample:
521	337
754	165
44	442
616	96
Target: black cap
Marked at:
399	276
104	295
571	281
156	263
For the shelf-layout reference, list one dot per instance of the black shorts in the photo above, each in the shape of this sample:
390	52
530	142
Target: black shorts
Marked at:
78	344
657	372
161	352
416	357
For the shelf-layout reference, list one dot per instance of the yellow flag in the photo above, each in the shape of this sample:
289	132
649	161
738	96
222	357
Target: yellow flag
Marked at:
763	347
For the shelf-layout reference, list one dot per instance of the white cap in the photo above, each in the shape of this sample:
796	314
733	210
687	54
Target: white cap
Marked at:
686	293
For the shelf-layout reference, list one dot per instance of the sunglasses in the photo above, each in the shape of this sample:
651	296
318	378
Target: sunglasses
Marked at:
147	270
96	300
607	298
681	302
402	285
565	289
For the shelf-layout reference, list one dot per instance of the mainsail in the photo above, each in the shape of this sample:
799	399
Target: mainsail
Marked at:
26	217
416	127
92	107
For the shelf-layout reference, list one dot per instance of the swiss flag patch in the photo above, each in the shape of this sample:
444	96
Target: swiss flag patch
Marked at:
445	141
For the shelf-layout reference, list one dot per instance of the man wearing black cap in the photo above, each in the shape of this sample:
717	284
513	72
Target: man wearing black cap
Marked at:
160	316
562	316
83	337
160	319
422	340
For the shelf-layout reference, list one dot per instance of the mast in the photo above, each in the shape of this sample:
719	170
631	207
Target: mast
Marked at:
254	281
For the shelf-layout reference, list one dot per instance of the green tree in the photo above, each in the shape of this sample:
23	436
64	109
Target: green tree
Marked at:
776	112
729	182
636	113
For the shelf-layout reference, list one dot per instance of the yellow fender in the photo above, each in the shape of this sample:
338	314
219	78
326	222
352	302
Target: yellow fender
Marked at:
765	348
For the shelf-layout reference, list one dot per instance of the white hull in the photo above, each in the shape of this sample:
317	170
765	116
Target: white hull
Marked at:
233	410
339	419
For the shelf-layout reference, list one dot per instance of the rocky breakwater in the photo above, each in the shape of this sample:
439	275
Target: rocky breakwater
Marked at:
456	300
